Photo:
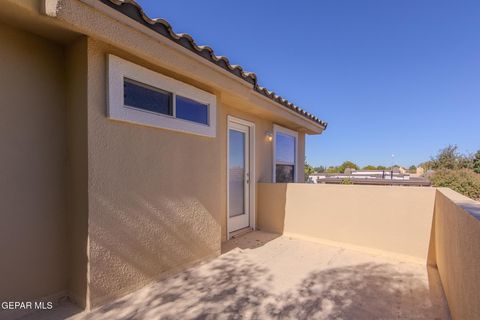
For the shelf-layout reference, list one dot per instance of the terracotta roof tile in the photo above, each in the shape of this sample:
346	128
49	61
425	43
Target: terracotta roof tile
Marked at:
133	10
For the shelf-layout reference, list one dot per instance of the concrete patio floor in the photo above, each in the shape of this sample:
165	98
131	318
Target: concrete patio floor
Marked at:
264	276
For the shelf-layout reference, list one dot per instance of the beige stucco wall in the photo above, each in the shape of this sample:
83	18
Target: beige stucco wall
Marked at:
393	219
77	170
457	238
151	209
271	201
157	198
33	228
301	158
124	203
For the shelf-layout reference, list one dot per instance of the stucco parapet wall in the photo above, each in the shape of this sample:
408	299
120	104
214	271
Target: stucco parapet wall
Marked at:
134	13
456	251
470	206
391	219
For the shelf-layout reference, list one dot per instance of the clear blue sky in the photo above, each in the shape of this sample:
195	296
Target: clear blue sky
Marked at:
389	76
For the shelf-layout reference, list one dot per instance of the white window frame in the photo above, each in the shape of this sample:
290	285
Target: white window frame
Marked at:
119	69
292	133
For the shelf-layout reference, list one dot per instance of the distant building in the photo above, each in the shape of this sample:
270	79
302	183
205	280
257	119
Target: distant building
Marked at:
372	177
420	172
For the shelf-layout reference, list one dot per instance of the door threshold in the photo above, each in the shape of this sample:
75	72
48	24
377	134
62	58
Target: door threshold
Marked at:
240	232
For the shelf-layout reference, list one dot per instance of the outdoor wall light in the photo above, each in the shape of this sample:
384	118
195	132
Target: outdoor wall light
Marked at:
269	136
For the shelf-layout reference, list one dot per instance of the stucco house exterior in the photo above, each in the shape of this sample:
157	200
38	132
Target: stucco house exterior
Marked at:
129	152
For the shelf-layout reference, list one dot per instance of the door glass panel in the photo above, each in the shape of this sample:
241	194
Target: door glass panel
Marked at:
236	173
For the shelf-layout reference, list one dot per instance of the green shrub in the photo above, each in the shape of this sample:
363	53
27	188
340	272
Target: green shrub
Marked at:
465	181
347	164
308	170
476	162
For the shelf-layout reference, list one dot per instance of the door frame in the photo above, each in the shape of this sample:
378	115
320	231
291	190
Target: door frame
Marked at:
252	165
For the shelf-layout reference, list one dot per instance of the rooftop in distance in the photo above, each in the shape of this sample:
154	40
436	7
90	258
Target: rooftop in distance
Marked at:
395	176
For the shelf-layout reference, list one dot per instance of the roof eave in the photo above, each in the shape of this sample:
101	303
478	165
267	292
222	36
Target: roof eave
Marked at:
133	10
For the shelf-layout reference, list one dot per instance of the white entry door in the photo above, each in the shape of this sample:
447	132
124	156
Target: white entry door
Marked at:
238	176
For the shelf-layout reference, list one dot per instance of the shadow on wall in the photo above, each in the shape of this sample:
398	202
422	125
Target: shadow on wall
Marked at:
471	207
232	287
137	240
